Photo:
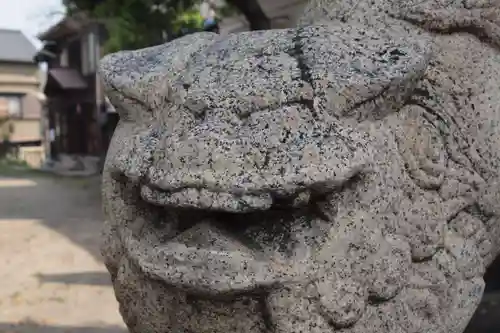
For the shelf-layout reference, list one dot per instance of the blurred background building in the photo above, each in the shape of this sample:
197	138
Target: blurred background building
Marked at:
21	99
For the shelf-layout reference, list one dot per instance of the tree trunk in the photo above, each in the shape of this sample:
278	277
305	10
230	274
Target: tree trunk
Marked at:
253	12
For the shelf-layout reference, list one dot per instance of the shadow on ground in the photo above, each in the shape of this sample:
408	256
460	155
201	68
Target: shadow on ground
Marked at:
31	327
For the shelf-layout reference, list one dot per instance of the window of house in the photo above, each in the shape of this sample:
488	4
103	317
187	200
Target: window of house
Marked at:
10	106
92	41
85	55
74	47
64	58
89	53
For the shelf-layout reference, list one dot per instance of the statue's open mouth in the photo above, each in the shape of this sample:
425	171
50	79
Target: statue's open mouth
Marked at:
232	243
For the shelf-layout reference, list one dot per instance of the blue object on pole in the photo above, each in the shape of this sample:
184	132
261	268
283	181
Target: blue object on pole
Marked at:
208	23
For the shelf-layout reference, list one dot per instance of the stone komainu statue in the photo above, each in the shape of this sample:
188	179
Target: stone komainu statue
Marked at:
342	176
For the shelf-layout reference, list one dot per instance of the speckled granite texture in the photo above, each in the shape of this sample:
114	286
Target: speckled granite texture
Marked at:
342	176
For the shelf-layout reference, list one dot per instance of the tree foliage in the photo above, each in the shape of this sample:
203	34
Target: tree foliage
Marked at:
133	24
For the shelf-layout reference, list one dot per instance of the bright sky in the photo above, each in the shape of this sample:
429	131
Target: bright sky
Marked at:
30	16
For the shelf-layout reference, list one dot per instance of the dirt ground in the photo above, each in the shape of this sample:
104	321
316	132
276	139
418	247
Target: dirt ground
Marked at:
51	276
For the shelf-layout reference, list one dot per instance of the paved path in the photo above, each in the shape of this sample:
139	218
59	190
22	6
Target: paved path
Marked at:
52	278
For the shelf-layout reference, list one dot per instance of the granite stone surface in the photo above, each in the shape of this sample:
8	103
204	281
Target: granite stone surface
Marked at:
340	176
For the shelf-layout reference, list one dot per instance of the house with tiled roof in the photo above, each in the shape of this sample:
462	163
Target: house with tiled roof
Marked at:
79	119
21	118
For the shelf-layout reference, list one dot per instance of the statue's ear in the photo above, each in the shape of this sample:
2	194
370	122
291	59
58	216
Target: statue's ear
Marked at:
358	71
144	77
474	17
